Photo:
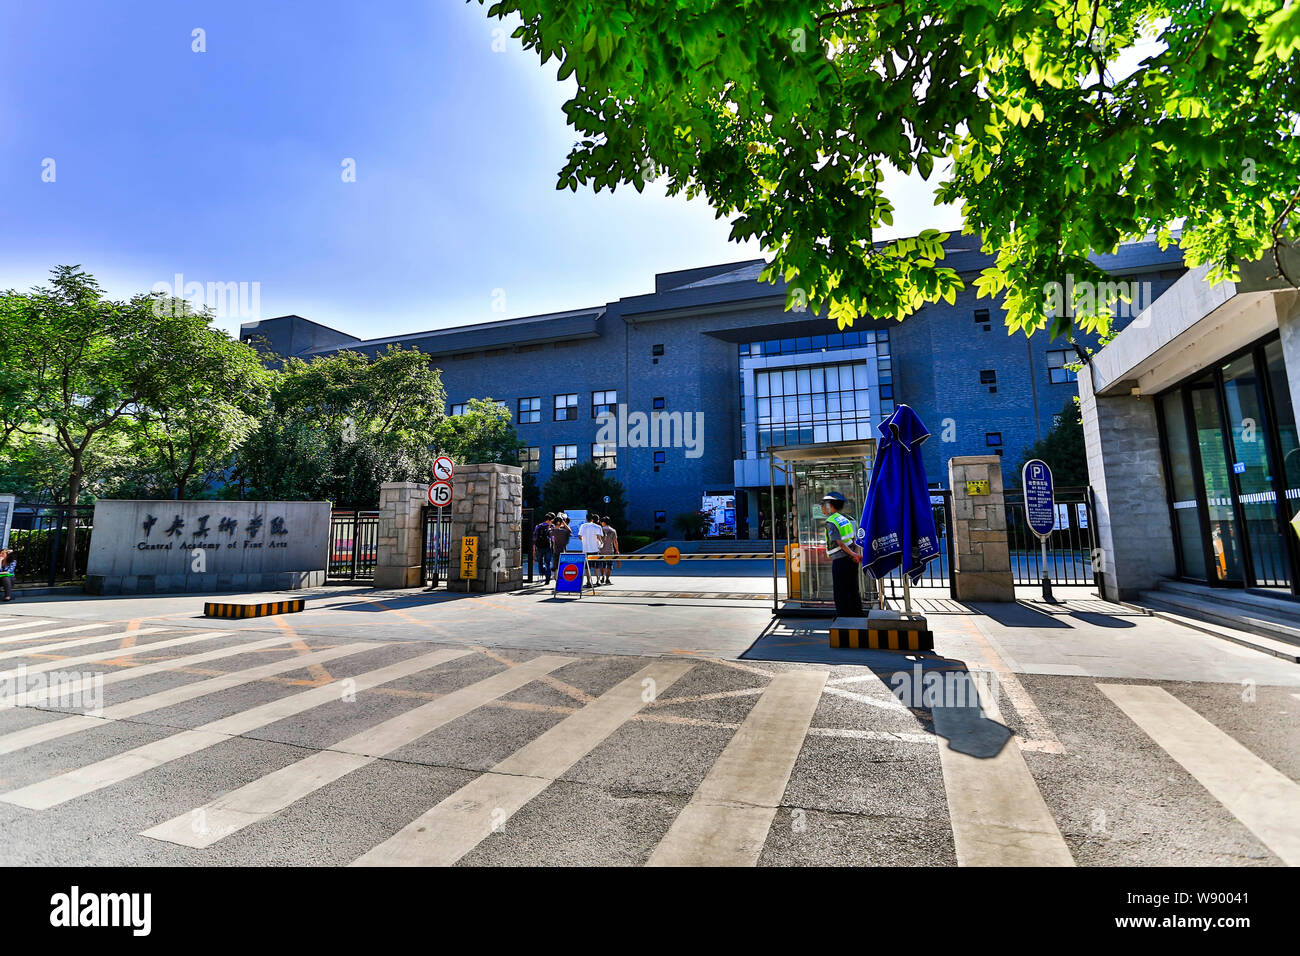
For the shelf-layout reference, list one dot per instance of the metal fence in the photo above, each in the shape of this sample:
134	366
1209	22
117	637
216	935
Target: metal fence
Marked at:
938	573
39	539
1070	547
437	546
354	536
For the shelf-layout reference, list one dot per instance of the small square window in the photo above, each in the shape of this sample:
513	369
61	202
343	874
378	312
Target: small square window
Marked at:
981	316
661	517
993	439
530	460
566	407
658	402
656	350
1058	371
659	458
565	456
988	377
605	454
604	403
530	410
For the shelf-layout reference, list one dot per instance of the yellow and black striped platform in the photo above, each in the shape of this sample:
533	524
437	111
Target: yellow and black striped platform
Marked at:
214	609
883	639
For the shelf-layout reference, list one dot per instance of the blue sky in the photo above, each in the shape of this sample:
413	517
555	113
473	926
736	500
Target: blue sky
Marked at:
226	165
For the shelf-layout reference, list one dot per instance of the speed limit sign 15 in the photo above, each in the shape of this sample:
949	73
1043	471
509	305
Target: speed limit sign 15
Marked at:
440	494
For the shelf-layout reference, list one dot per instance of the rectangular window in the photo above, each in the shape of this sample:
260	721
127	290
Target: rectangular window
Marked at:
656	350
1057	360
661	517
814	403
659	458
605	455
988	377
565	455
993	439
604	403
530	459
981	316
457	409
658	402
530	410
566	407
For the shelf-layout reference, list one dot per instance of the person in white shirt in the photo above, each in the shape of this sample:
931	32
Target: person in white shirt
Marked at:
591	535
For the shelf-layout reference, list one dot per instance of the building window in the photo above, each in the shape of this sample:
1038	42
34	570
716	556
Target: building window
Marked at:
982	318
604	403
659	458
807	404
566	407
1057	362
530	459
658	402
656	350
988	377
530	410
565	455
661	517
457	409
993	439
606	455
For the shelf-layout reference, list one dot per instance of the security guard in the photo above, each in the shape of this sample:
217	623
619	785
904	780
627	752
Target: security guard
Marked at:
841	545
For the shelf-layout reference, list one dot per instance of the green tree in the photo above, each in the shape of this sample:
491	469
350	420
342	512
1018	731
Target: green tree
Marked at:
586	485
341	424
1063	449
483	434
1061	128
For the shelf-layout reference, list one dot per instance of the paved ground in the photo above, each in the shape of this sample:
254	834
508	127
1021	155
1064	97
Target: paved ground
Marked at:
395	727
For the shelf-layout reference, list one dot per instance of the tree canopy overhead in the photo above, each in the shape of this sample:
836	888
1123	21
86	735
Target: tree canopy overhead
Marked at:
1061	127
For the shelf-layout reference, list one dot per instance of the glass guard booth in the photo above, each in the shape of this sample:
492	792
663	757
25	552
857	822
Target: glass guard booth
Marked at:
805	473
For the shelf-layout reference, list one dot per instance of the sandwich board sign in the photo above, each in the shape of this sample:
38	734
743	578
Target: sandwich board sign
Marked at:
568	574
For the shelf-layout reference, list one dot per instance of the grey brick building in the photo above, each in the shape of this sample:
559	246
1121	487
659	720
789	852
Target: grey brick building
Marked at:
714	351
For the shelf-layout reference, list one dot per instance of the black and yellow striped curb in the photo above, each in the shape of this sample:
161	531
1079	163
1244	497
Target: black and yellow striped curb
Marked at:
883	639
211	609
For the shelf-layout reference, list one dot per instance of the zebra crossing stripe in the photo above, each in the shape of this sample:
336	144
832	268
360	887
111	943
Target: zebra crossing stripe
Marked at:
18	638
276	791
75	783
997	814
57	646
109	654
1265	800
36	698
28	622
727	819
52	730
445	833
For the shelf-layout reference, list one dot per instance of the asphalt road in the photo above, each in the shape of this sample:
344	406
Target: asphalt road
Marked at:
391	729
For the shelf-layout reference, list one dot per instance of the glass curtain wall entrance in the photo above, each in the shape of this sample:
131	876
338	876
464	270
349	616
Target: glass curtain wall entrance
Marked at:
1232	464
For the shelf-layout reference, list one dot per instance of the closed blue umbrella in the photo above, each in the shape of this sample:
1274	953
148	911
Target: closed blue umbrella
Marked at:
897	524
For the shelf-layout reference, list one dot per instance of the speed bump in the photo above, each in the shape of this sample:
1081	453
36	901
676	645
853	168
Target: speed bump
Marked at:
213	609
883	638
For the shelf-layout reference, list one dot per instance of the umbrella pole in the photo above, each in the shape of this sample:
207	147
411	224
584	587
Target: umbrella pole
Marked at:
907	592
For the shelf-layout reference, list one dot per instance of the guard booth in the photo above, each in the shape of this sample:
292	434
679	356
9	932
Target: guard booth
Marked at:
806	473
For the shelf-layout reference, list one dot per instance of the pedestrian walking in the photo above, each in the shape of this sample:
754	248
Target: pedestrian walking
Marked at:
8	568
841	538
608	545
542	545
591	534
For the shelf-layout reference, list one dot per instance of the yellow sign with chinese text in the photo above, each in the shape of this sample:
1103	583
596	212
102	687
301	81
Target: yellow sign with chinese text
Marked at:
468	557
976	488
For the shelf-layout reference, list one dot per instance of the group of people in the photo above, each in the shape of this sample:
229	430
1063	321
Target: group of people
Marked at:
551	538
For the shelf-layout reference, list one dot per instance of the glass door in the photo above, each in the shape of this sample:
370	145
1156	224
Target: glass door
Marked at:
812	481
1224	534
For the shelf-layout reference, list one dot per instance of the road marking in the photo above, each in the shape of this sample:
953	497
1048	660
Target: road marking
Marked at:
727	819
270	794
57	646
36	698
1038	733
75	783
1266	801
445	833
997	814
51	730
107	655
30	622
18	638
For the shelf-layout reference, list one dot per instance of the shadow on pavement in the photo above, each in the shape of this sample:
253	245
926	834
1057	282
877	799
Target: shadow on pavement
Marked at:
1102	620
1017	615
939	691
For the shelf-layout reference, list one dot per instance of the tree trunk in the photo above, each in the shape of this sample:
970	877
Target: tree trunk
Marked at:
70	539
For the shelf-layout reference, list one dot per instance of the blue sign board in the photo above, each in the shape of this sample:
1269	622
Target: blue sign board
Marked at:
568	574
1040	497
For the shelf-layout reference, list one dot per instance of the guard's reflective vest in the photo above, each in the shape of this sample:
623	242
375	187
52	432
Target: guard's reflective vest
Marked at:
847	528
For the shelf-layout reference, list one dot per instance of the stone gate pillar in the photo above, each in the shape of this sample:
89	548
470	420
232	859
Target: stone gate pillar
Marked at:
488	505
980	551
399	551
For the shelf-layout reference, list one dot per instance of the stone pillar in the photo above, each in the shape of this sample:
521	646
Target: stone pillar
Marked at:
980	552
488	504
399	553
1288	324
1128	484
